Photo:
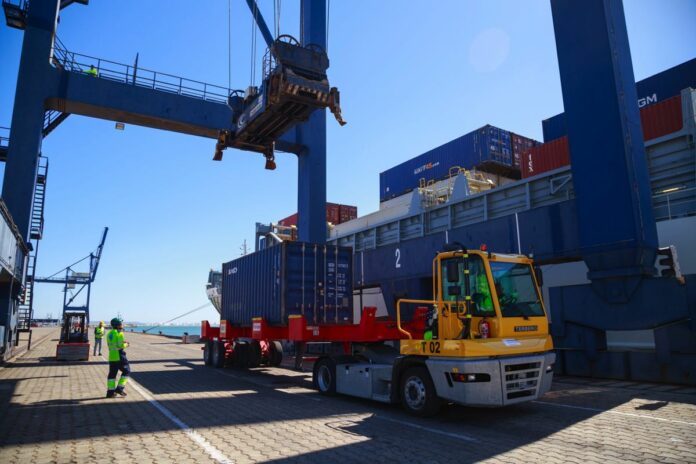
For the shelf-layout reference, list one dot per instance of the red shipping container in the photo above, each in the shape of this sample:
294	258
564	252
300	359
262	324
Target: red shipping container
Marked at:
289	221
545	157
335	214
347	213
661	118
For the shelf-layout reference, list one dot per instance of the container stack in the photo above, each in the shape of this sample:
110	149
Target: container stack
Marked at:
651	90
657	120
489	149
335	214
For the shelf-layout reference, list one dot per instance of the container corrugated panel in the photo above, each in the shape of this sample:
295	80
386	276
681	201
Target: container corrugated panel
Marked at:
545	157
487	145
521	144
651	90
292	278
347	213
661	118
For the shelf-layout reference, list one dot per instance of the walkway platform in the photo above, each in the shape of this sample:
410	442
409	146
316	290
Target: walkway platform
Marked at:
178	410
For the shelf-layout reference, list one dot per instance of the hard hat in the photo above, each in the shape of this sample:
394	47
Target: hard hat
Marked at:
101	322
115	322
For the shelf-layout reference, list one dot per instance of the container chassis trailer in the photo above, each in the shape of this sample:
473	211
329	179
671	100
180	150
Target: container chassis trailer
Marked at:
482	340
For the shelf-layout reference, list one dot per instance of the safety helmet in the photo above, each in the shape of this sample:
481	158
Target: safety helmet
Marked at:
115	322
101	322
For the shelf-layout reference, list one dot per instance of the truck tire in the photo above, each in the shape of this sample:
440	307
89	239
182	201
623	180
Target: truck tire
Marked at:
218	354
418	395
254	354
324	376
240	358
208	353
276	354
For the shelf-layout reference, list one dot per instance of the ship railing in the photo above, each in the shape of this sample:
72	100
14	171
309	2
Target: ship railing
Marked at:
135	75
674	202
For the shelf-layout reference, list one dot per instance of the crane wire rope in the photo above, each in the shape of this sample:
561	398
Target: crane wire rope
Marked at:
229	45
254	16
179	317
69	266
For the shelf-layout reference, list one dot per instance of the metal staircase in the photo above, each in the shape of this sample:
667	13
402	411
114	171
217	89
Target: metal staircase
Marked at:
25	311
52	119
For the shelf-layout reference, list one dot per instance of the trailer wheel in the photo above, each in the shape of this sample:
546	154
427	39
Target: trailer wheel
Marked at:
208	353
218	355
275	353
240	358
254	355
418	394
324	376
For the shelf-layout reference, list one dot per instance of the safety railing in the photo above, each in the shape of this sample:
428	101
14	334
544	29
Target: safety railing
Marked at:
428	303
675	203
135	75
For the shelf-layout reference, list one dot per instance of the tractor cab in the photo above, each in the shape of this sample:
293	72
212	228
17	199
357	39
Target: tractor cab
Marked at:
485	304
295	84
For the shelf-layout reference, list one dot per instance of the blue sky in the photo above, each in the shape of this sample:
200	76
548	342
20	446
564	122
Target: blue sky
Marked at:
412	74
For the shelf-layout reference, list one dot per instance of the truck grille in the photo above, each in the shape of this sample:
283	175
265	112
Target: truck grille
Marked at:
521	379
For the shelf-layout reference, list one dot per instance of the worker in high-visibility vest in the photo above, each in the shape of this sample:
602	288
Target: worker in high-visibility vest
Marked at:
117	359
92	71
98	336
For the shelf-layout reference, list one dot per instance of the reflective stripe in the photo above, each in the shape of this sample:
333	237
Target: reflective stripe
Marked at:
123	380
111	384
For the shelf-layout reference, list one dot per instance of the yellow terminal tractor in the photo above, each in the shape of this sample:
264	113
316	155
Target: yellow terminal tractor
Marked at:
483	340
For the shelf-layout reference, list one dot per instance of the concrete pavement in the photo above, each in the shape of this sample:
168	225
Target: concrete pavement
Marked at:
180	411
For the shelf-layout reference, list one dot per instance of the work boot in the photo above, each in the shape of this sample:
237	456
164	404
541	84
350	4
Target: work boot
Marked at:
121	392
110	394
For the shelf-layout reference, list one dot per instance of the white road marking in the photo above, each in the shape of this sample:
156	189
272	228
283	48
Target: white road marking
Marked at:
428	429
640	416
212	451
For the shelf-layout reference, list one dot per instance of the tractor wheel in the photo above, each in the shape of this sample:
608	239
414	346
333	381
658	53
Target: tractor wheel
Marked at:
324	376
208	353
240	358
218	355
276	354
418	394
254	354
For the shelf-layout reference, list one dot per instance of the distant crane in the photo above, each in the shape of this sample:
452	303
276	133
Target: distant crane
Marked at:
74	334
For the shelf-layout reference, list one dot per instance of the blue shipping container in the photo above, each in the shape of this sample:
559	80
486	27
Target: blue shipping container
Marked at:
487	145
650	90
289	279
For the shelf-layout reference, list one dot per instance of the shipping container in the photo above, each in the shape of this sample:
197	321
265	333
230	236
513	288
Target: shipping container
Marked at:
521	144
335	214
651	90
657	120
661	118
292	278
488	149
545	157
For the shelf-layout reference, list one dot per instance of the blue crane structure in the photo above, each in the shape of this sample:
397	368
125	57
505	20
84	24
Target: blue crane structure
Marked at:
286	113
609	224
74	283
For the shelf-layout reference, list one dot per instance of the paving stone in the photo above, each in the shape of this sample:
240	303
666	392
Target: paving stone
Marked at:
56	412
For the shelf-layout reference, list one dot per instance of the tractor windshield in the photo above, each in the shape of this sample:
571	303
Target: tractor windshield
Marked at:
517	293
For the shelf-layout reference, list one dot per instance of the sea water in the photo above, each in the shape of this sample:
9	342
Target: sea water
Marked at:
172	330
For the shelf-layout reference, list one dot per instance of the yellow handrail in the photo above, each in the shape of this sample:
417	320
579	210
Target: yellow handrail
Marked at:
398	313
